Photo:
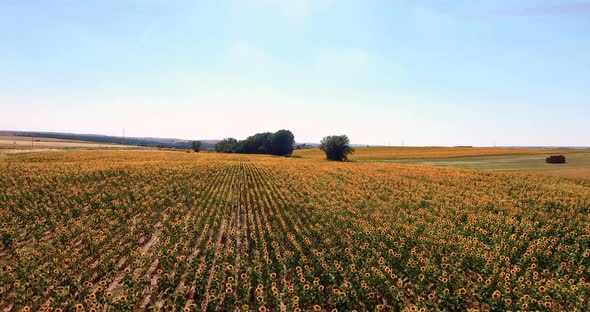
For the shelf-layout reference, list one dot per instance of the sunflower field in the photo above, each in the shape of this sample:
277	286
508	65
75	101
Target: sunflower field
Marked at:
172	231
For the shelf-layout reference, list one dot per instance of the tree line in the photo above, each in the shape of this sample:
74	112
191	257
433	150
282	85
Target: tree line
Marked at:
279	143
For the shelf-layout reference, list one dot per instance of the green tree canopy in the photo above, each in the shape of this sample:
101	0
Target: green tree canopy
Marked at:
258	143
337	147
227	145
196	145
278	143
281	142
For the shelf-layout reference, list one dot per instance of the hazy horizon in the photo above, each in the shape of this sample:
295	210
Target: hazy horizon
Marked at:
435	73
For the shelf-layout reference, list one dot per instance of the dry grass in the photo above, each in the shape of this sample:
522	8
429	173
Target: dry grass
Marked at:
387	153
530	160
24	143
580	173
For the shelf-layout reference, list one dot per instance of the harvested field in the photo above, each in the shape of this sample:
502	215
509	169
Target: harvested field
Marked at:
36	143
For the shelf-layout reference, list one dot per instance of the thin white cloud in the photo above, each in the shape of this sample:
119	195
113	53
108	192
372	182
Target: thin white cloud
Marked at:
249	61
295	10
344	59
245	52
582	7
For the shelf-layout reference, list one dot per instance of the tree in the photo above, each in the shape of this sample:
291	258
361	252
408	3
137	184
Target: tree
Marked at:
337	147
278	143
228	145
196	146
258	143
281	142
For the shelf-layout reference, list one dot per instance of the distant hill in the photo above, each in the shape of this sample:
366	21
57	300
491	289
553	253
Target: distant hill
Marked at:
208	144
136	141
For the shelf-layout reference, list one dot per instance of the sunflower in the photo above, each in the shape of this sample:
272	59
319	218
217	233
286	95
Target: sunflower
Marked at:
497	294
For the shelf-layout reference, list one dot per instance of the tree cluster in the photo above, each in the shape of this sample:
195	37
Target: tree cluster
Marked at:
278	143
196	145
337	147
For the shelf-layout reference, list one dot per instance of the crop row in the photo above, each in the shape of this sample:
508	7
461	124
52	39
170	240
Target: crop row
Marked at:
160	230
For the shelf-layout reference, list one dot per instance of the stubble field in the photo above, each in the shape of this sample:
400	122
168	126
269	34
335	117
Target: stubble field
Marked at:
10	144
136	230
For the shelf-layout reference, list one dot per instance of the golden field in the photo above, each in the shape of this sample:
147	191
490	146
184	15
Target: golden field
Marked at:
137	230
12	142
388	153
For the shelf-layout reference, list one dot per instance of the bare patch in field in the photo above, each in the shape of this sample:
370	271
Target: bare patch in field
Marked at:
4	152
391	153
16	143
577	164
583	173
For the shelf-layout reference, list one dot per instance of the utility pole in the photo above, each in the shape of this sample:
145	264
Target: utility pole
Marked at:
32	142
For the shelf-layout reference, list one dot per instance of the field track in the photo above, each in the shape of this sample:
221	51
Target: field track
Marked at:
122	230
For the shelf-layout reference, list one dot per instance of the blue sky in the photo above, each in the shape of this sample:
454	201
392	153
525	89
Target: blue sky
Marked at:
432	72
